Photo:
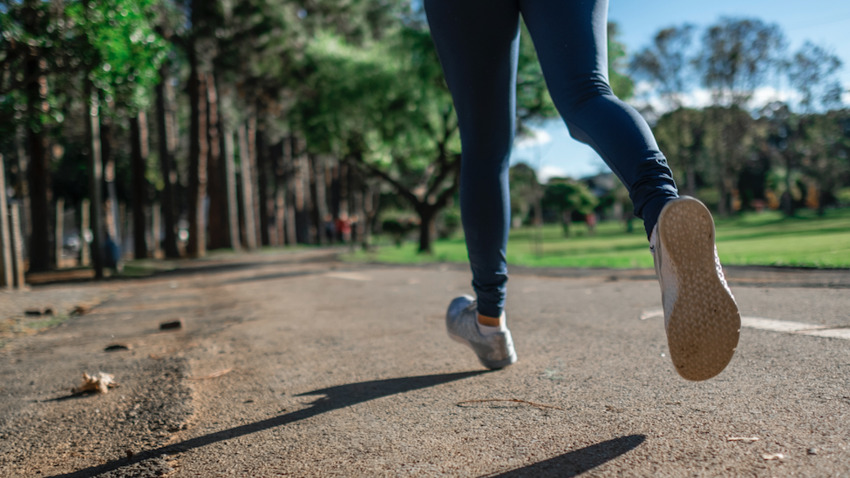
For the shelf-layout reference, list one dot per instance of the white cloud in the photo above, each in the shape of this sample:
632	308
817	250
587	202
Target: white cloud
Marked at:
701	97
547	172
534	138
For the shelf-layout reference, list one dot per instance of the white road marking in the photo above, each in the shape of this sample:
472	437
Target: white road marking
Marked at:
349	276
777	325
773	325
652	314
831	333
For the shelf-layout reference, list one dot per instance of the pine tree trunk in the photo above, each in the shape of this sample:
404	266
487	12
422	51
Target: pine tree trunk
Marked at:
198	151
139	159
217	191
262	176
277	198
232	205
288	184
300	185
337	173
156	226
22	189
40	252
167	144
255	180
7	278
112	220
247	189
317	192
280	216
95	181
59	231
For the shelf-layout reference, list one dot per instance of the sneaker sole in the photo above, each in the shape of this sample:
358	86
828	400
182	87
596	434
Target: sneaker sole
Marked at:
704	325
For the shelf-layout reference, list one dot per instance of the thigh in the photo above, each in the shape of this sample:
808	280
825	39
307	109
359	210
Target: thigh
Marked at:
571	40
477	42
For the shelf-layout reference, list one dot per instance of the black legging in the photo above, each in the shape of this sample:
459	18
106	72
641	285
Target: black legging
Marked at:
478	45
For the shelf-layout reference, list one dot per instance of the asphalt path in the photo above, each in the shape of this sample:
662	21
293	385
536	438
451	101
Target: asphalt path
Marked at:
296	364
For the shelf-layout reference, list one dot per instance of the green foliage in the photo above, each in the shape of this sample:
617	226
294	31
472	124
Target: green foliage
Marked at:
32	43
681	134
533	100
737	56
568	196
622	85
398	228
843	197
258	44
449	223
667	63
385	107
350	98
119	48
525	190
813	72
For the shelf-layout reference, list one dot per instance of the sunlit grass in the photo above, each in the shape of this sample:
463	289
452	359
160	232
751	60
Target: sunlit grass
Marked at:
766	238
770	239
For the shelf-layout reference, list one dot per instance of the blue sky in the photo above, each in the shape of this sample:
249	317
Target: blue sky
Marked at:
824	22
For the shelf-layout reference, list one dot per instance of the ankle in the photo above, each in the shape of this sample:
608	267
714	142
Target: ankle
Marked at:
490	321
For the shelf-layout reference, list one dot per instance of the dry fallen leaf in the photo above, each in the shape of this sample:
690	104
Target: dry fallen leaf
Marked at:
100	382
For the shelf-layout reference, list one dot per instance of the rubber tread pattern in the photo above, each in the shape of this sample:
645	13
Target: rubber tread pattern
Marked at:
704	324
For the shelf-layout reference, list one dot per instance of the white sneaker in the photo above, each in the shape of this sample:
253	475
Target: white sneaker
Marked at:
495	350
700	314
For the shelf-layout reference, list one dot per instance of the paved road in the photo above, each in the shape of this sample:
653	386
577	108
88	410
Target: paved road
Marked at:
294	364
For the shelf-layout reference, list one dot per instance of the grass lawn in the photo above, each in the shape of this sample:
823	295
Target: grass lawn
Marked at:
765	238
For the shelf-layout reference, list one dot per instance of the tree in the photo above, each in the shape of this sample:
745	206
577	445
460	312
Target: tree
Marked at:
167	143
731	140
31	50
621	83
525	191
54	44
139	146
781	126
823	150
813	73
201	47
736	58
385	109
821	144
567	196
120	56
667	64
253	71
681	134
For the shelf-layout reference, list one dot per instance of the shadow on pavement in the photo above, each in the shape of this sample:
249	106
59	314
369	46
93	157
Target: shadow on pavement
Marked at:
579	461
333	398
